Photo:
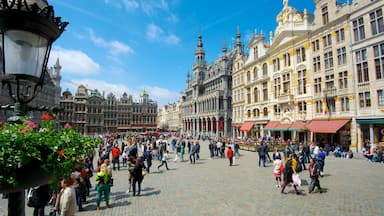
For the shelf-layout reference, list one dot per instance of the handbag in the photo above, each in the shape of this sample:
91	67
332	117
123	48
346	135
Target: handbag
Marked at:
143	172
296	179
281	168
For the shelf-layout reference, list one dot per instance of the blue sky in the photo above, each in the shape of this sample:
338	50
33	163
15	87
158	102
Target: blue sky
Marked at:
129	45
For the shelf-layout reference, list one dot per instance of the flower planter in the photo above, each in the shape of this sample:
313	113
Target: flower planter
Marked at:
28	176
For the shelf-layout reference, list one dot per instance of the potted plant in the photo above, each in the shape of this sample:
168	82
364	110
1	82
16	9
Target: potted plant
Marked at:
33	154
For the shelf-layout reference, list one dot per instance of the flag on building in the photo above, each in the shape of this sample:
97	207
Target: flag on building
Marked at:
326	108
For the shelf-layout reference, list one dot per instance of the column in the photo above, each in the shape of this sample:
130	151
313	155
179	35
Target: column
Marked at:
371	136
217	126
225	127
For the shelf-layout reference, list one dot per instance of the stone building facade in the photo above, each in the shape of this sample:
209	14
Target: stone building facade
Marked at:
169	117
207	104
93	113
318	78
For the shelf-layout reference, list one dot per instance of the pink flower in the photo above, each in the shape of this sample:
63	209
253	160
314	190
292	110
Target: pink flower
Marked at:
67	126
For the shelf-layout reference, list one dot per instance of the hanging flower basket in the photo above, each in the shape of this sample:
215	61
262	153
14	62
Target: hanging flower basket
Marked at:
33	154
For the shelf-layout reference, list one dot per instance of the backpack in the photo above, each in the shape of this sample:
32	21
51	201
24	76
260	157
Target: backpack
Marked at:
33	197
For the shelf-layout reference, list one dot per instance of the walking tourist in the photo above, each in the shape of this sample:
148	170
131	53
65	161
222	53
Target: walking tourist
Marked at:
289	170
138	176
164	161
277	170
230	155
103	180
314	172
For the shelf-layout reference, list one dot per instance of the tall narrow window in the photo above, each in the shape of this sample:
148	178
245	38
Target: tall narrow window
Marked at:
329	81
316	64
319	106
276	64
256	95
362	66
265	91
377	24
277	86
340	35
380	97
341	56
324	14
358	29
327	40
286	83
379	60
344	104
300	54
255	73
265	69
256	52
365	99
248	95
315	45
302	106
317	85
328	60
302	82
287	60
343	80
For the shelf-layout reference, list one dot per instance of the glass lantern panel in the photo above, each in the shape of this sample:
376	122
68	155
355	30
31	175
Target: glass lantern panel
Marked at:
24	53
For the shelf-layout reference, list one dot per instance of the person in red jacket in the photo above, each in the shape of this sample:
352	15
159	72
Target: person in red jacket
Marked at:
115	157
230	155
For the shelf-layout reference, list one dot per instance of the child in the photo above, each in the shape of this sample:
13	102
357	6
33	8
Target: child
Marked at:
230	155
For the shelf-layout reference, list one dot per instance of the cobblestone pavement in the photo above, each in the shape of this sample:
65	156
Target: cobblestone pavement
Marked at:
211	187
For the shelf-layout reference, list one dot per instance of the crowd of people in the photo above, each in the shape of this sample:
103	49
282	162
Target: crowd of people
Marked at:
136	154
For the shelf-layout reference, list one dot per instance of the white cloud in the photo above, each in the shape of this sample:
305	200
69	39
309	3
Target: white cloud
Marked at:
130	4
150	7
115	47
155	33
73	61
161	93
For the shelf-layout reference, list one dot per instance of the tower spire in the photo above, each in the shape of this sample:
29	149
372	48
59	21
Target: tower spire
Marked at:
224	47
200	52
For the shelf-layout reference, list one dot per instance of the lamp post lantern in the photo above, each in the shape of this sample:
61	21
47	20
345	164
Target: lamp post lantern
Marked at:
27	30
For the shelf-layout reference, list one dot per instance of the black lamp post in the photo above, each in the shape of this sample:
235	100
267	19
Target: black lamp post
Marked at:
27	30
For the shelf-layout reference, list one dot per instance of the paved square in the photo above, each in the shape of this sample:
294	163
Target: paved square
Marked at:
211	187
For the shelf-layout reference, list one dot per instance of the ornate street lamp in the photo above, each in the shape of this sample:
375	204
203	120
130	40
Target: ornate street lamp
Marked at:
27	30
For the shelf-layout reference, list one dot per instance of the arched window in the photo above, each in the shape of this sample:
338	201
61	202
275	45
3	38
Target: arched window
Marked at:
265	111
265	69
248	76
255	73
249	113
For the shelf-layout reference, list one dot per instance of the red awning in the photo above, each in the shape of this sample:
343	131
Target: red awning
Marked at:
236	126
247	126
326	126
271	125
297	126
284	126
